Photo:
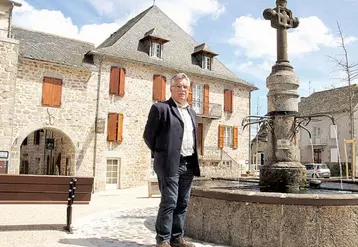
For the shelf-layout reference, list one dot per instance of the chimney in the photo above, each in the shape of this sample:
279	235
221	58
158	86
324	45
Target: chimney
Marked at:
303	99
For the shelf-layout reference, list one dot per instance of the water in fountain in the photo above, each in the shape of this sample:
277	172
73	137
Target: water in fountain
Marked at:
339	156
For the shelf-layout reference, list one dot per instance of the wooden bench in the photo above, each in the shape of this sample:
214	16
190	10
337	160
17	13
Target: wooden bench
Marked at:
35	189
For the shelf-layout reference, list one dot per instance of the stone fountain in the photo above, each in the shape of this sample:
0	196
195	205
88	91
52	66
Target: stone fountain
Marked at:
240	217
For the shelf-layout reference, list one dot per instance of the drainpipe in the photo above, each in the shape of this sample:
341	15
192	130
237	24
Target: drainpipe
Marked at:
10	21
96	119
250	131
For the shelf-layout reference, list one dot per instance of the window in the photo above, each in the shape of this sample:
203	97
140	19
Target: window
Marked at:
156	49
37	137
228	136
112	171
197	102
115	127
228	100
51	92
316	135
207	61
117	81
159	86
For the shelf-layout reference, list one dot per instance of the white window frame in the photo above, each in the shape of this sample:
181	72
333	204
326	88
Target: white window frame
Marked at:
198	98
207	62
334	154
332	132
228	136
110	185
156	49
317	133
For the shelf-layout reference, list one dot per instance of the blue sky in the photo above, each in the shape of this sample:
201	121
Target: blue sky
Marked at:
235	29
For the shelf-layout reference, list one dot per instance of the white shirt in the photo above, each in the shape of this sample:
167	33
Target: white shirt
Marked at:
187	146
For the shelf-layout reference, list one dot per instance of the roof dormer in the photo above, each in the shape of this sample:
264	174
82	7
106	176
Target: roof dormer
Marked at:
203	56
153	42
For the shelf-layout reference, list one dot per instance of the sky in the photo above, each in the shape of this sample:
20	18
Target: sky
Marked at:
235	29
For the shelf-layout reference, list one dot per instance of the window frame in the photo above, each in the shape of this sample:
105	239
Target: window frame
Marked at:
155	48
228	136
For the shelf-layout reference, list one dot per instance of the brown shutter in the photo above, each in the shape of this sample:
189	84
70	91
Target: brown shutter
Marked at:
122	81
231	100
114	81
235	133
226	100
190	95
112	127
206	99
120	128
163	87
51	91
159	83
221	136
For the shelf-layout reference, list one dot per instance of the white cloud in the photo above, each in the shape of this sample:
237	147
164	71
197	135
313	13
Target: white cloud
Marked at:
255	38
185	13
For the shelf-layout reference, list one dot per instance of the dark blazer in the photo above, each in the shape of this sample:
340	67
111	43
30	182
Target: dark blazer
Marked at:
163	135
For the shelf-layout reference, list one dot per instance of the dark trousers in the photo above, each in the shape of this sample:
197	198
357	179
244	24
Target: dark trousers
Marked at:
175	193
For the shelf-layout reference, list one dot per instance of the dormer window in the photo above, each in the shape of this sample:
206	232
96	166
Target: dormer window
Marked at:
207	62
156	49
152	43
203	56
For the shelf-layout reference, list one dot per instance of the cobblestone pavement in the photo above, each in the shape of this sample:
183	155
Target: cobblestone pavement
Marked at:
127	228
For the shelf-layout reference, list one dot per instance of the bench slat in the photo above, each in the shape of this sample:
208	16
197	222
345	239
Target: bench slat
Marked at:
42	197
43	188
42	179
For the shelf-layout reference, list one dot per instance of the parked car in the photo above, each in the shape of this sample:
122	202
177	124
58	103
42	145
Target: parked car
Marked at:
317	170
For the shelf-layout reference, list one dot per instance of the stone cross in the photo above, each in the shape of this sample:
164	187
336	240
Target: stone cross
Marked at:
281	19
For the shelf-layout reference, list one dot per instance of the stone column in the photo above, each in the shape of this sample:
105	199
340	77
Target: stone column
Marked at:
282	170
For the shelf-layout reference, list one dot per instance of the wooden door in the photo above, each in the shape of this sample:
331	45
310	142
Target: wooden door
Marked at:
200	138
317	156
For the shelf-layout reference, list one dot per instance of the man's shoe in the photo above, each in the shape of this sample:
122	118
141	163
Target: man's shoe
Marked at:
181	242
163	244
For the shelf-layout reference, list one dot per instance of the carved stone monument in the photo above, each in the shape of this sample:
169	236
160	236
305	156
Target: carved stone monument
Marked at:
282	170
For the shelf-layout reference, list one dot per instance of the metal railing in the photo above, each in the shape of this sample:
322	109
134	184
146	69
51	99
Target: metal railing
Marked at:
211	110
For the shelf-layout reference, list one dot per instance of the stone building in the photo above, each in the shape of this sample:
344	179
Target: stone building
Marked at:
70	108
322	148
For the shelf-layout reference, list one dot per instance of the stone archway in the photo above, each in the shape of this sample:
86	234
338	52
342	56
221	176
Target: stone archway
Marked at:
44	151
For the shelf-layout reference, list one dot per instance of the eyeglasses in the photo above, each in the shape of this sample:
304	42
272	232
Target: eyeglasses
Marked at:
181	87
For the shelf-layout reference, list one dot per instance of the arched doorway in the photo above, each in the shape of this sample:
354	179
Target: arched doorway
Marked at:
47	151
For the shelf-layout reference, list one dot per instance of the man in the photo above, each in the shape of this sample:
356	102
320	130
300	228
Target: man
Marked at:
171	135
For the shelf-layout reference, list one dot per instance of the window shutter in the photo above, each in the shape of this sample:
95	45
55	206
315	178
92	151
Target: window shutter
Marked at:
159	85
228	100
221	136
114	81
120	128
231	100
235	137
112	127
190	95
122	81
51	91
206	99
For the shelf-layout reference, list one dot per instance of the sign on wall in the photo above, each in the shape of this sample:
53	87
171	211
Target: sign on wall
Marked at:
4	154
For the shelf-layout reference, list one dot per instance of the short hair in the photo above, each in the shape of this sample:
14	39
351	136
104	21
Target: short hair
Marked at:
177	77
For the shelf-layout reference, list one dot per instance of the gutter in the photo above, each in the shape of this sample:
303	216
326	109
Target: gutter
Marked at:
13	4
96	120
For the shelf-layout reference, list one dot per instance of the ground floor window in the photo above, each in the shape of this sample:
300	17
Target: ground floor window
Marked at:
113	172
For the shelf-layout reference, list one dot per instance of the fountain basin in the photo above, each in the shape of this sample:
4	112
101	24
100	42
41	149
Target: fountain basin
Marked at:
259	219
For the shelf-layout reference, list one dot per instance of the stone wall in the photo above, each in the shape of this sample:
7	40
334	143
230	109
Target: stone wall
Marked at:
8	69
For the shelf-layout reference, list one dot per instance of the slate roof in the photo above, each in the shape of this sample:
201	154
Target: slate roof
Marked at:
329	101
177	53
52	48
204	47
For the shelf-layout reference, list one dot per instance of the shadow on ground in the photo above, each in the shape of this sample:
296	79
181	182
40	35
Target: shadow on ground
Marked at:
103	242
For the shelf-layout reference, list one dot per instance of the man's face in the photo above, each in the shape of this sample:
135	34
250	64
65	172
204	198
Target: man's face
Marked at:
180	90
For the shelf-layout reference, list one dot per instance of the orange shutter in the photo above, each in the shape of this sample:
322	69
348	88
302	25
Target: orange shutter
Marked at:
112	127
190	95
235	137
122	81
221	136
231	100
206	99
162	88
158	82
114	81
51	91
120	128
226	100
